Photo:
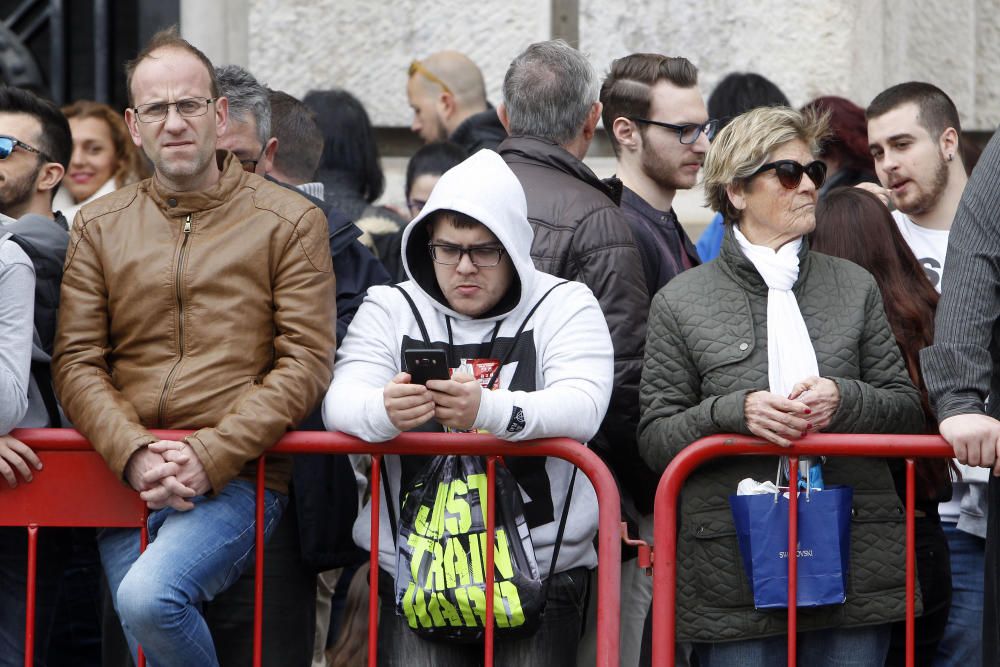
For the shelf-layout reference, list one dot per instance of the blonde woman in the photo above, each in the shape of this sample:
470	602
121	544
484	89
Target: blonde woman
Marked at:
104	157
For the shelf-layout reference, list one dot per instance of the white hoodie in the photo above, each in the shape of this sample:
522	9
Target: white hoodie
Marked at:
557	382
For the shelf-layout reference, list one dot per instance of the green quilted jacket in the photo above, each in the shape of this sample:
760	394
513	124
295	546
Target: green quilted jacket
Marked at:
706	350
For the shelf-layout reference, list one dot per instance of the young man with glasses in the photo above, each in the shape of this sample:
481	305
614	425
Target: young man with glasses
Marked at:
448	96
201	298
474	293
659	128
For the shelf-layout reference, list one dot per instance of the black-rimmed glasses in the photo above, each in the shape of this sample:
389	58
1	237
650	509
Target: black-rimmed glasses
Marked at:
687	133
789	172
250	165
8	144
482	256
190	107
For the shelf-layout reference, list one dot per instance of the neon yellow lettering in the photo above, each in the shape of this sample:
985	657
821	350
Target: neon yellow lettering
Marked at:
507	592
462	597
458	506
501	555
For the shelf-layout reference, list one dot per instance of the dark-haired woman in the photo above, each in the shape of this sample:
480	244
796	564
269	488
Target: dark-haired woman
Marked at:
845	150
853	224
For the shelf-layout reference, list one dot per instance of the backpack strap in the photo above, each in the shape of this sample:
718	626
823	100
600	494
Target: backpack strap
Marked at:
42	372
520	330
416	315
559	534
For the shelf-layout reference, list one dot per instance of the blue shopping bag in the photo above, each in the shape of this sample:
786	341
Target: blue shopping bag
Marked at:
823	552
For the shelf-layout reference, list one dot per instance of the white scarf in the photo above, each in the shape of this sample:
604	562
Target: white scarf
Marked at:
790	354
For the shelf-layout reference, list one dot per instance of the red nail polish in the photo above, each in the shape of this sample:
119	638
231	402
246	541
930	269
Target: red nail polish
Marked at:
808	411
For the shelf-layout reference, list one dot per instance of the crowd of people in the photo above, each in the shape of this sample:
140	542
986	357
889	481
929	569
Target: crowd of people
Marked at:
215	260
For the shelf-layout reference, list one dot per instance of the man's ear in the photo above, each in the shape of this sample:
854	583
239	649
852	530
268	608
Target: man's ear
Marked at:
626	133
590	125
49	177
504	118
267	157
949	144
446	106
221	116
133	127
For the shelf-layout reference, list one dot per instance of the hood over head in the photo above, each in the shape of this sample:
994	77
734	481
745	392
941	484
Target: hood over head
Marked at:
482	187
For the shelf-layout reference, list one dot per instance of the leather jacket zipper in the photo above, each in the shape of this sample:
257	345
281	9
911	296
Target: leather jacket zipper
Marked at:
179	294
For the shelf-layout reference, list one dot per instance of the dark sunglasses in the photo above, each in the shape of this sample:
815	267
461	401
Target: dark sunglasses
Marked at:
8	144
789	172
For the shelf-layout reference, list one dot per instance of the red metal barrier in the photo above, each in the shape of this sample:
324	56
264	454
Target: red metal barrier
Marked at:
50	441
823	444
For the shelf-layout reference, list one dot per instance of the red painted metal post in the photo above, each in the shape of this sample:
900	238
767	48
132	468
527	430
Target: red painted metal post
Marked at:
911	564
793	556
491	525
29	614
373	604
143	543
258	581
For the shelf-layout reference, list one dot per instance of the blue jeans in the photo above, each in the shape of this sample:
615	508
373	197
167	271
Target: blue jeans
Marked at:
192	557
961	645
834	647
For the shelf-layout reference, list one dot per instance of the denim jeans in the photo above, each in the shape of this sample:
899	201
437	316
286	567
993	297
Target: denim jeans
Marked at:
961	645
192	556
553	645
53	553
834	647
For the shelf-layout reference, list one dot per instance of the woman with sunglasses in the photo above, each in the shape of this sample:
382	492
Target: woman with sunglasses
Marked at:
104	157
777	341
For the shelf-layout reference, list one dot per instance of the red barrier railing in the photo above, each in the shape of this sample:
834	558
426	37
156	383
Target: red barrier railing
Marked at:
692	456
51	441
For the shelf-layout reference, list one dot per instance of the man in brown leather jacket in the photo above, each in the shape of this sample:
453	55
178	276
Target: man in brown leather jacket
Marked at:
200	299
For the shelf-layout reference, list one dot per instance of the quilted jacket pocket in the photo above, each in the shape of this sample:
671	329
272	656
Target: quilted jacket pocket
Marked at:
877	544
719	578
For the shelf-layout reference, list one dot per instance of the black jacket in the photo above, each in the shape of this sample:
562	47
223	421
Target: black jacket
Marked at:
323	488
482	130
581	234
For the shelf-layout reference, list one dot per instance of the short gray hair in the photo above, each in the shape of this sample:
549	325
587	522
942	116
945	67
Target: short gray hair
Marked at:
549	90
246	96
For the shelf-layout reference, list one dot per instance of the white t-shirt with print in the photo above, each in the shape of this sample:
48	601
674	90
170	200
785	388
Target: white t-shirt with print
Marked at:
929	246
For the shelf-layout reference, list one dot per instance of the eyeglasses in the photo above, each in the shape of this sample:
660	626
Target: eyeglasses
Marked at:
415	206
8	144
789	172
482	256
190	107
417	66
687	133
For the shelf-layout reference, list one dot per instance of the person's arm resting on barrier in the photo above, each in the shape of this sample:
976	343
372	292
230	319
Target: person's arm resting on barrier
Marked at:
79	365
959	366
369	397
17	302
672	416
303	291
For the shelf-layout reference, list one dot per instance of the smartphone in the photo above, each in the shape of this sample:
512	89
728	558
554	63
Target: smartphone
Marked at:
424	365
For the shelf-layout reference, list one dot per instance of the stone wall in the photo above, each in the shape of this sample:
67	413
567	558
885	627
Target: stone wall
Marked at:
853	48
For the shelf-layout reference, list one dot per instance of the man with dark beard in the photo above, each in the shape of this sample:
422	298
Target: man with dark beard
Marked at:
915	138
656	119
914	135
